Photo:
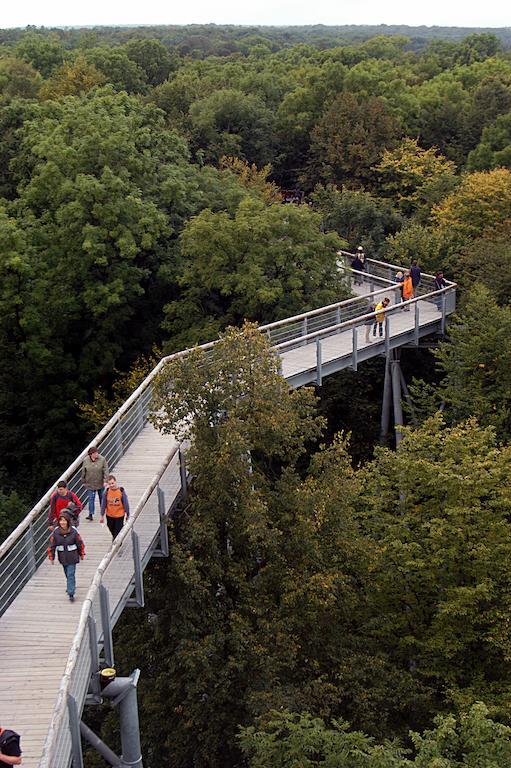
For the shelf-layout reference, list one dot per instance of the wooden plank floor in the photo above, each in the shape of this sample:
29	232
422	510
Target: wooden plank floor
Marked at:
36	631
339	345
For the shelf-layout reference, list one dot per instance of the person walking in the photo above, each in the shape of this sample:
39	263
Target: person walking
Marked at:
415	272
59	500
93	477
380	316
407	288
116	506
399	279
439	281
358	264
67	542
10	750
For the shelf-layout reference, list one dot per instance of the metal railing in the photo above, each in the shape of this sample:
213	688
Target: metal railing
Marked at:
99	610
25	548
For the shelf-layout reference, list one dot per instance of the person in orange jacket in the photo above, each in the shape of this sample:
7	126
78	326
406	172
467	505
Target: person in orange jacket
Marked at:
407	289
116	506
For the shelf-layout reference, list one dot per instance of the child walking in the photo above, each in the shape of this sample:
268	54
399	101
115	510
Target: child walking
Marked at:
67	542
115	504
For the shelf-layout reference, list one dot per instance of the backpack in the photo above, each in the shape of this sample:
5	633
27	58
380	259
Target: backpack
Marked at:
8	740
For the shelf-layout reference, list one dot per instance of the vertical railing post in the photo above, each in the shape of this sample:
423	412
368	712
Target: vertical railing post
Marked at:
183	474
74	727
416	325
118	442
338	318
30	551
319	377
164	531
139	577
94	686
305	328
354	356
108	644
387	334
140	415
442	322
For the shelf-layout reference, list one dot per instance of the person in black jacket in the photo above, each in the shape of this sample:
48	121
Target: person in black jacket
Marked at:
67	542
10	751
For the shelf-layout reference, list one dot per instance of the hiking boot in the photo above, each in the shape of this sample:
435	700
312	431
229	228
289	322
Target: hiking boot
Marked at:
71	598
89	517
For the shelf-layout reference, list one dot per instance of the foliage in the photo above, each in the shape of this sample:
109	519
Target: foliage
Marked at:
44	52
12	510
263	263
416	178
416	241
18	78
481	202
438	509
475	363
288	740
252	178
357	216
72	79
494	149
105	403
349	140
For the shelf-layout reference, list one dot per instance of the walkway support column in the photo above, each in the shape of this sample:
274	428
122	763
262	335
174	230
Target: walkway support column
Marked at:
396	399
385	407
123	692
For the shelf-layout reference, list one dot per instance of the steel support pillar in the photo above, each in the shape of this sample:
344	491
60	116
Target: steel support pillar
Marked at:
108	643
100	746
408	399
123	693
396	399
386	402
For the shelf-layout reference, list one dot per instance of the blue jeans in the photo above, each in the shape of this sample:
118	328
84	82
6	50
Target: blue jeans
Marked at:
70	571
91	495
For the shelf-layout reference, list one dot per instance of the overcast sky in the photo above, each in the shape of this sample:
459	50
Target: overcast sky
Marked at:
459	13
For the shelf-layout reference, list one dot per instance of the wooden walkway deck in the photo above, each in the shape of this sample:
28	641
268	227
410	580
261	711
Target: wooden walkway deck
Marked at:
37	630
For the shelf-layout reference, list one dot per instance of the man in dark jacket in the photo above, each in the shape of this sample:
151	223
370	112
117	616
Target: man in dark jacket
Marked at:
415	272
67	542
10	751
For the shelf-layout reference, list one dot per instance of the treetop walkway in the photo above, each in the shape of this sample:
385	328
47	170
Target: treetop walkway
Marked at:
52	650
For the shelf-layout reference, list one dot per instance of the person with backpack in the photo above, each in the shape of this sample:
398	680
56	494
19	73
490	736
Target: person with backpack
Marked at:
68	544
115	505
10	750
59	500
93	476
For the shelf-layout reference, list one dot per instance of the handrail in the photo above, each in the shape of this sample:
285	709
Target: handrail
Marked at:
362	318
61	701
393	266
328	307
111	423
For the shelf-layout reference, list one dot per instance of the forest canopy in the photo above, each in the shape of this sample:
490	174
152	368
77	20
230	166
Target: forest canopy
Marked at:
161	186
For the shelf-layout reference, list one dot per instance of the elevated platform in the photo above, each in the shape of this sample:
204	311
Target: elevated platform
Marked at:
50	647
